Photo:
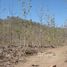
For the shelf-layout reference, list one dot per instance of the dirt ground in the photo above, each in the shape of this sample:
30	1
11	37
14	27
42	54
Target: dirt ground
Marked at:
55	56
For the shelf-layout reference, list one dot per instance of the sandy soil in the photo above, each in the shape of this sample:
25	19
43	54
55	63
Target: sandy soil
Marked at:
56	56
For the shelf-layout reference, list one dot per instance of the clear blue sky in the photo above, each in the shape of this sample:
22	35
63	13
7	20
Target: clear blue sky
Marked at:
58	8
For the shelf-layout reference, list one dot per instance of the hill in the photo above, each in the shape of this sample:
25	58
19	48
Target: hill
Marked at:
20	38
17	31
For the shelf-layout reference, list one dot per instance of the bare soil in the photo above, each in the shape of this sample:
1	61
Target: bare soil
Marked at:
55	56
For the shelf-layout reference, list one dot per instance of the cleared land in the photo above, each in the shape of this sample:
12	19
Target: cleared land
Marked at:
56	56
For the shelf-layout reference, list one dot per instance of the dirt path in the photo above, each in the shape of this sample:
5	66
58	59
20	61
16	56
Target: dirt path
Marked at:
50	57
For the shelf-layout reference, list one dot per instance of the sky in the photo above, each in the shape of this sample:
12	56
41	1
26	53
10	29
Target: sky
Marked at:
57	8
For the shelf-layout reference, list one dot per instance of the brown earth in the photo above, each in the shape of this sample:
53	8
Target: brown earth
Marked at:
55	56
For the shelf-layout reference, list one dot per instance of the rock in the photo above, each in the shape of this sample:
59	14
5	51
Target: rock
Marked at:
53	66
35	65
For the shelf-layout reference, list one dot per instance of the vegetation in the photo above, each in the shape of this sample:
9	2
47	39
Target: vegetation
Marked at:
17	31
20	37
20	29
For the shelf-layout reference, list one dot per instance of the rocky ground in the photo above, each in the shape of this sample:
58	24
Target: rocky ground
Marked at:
18	56
13	54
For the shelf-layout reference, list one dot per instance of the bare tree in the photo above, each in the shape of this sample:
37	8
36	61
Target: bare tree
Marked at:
41	16
26	9
51	29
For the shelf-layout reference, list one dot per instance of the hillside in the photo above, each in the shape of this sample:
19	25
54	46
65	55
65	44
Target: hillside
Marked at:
17	31
20	38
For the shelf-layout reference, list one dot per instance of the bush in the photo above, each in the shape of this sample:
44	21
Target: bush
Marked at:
30	51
